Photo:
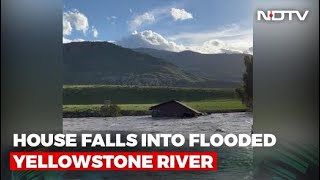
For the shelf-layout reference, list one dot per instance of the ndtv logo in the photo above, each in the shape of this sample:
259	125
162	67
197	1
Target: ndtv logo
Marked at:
280	15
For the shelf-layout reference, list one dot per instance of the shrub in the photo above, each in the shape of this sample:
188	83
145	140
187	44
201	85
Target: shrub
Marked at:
110	110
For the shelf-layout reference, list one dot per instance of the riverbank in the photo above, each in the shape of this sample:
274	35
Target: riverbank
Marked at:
206	106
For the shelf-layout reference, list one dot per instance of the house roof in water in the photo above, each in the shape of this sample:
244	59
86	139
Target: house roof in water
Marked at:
174	101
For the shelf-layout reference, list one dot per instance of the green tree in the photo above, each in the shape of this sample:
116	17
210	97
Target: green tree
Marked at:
109	109
245	92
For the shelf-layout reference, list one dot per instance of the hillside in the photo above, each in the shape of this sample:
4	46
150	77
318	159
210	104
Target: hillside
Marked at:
215	67
106	63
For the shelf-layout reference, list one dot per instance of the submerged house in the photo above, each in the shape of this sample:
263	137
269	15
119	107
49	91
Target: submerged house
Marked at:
173	109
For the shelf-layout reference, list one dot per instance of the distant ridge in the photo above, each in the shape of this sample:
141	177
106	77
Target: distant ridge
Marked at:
214	67
107	63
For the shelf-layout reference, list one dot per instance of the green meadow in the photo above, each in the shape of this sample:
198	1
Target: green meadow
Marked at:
89	98
202	105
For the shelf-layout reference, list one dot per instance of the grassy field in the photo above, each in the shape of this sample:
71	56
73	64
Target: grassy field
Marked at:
204	106
96	94
86	100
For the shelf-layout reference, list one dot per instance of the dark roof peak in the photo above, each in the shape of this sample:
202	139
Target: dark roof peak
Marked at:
175	101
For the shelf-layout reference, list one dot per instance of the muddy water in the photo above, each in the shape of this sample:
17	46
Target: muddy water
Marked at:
234	163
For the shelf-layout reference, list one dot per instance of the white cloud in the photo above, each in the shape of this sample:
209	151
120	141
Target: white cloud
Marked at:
74	20
180	14
214	46
109	18
65	40
221	42
67	28
78	40
231	37
226	33
146	18
154	15
94	31
112	19
130	10
149	39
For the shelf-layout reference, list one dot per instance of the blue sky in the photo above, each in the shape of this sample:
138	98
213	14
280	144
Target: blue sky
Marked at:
207	26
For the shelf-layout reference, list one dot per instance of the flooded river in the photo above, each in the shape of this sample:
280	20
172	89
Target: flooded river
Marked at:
233	163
